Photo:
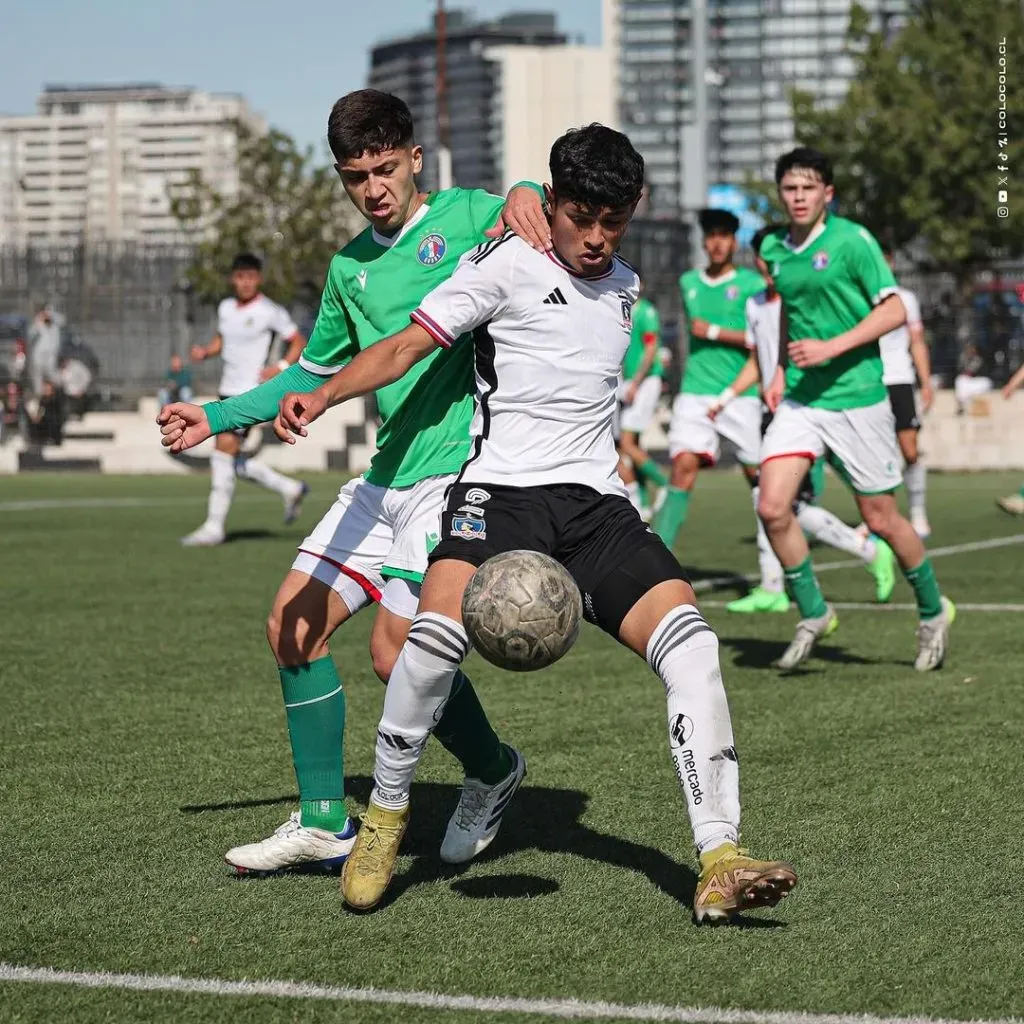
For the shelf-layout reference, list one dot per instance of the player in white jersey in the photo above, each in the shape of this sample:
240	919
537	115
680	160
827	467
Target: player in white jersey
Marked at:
905	351
542	476
247	325
763	316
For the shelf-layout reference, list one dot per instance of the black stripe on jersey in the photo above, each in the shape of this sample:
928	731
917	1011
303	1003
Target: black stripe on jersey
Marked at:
483	355
485	250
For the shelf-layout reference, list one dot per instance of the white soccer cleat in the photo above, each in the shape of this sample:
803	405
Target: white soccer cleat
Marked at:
293	506
205	537
808	633
933	638
919	521
293	846
477	817
1012	505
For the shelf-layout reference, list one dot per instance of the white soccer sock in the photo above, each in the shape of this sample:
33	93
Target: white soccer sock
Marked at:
260	473
420	683
822	525
633	490
772	578
222	490
683	651
915	480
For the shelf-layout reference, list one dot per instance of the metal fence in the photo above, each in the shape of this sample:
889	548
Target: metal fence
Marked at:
128	303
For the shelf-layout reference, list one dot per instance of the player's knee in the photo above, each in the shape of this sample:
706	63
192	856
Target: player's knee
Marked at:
383	655
880	517
684	471
773	510
294	639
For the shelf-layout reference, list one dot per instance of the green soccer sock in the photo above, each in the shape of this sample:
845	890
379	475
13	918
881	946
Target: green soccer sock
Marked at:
818	478
672	515
651	471
1022	490
314	703
467	735
803	588
926	590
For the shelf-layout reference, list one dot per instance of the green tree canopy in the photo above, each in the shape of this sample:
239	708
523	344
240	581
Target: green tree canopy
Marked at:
290	211
916	141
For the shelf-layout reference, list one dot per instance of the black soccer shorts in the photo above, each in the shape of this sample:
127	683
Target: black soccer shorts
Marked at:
904	406
609	551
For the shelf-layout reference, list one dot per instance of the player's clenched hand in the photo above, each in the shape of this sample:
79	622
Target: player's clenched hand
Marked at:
183	426
809	352
774	392
927	396
297	410
523	213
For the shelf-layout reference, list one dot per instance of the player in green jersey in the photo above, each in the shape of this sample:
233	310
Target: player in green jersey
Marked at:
642	377
838	298
714	300
373	543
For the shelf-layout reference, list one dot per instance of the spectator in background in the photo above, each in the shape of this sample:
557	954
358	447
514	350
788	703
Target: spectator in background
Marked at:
12	419
44	339
178	384
75	378
17	366
970	382
45	420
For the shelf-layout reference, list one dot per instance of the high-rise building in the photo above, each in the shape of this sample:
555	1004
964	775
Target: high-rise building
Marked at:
513	85
757	50
95	162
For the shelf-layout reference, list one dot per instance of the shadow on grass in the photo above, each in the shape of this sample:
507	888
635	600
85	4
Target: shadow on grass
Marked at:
540	818
258	534
755	652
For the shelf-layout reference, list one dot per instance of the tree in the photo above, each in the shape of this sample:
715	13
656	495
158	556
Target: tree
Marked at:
916	142
288	210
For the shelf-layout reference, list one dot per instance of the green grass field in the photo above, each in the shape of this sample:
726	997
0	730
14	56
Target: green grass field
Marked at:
142	734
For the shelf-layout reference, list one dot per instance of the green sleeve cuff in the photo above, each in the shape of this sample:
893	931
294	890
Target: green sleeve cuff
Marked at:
260	404
539	189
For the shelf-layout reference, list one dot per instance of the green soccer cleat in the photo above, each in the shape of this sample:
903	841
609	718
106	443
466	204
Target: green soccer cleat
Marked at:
759	600
883	568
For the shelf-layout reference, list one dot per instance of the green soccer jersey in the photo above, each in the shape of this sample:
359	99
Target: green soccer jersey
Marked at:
373	285
712	366
646	325
828	286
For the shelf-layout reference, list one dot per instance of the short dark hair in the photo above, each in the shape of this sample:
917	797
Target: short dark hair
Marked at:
368	121
596	166
714	221
760	235
804	158
246	261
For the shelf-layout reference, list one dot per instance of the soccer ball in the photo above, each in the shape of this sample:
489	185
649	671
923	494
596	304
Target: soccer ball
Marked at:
522	611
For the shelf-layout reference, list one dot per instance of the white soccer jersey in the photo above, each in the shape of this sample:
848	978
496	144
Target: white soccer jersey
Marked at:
763	323
247	330
897	366
549	348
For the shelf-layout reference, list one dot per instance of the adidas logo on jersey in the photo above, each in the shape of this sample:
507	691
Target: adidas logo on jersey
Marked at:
556	298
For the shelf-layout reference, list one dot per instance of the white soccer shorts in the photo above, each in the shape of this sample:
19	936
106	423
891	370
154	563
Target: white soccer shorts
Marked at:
862	442
373	543
637	416
692	431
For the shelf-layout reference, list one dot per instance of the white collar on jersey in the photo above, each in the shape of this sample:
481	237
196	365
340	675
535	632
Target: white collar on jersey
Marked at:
714	282
558	261
406	227
816	233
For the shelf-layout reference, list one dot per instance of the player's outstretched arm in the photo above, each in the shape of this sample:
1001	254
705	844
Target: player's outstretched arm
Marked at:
715	332
1014	382
885	317
375	367
183	426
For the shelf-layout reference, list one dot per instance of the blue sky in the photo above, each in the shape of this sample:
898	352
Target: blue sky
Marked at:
290	60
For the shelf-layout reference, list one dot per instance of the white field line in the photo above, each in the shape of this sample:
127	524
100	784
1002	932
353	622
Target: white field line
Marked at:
716	582
569	1009
48	504
871	606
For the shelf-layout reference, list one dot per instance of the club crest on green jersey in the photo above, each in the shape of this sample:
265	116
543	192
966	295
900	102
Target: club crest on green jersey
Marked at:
431	250
732	292
820	260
